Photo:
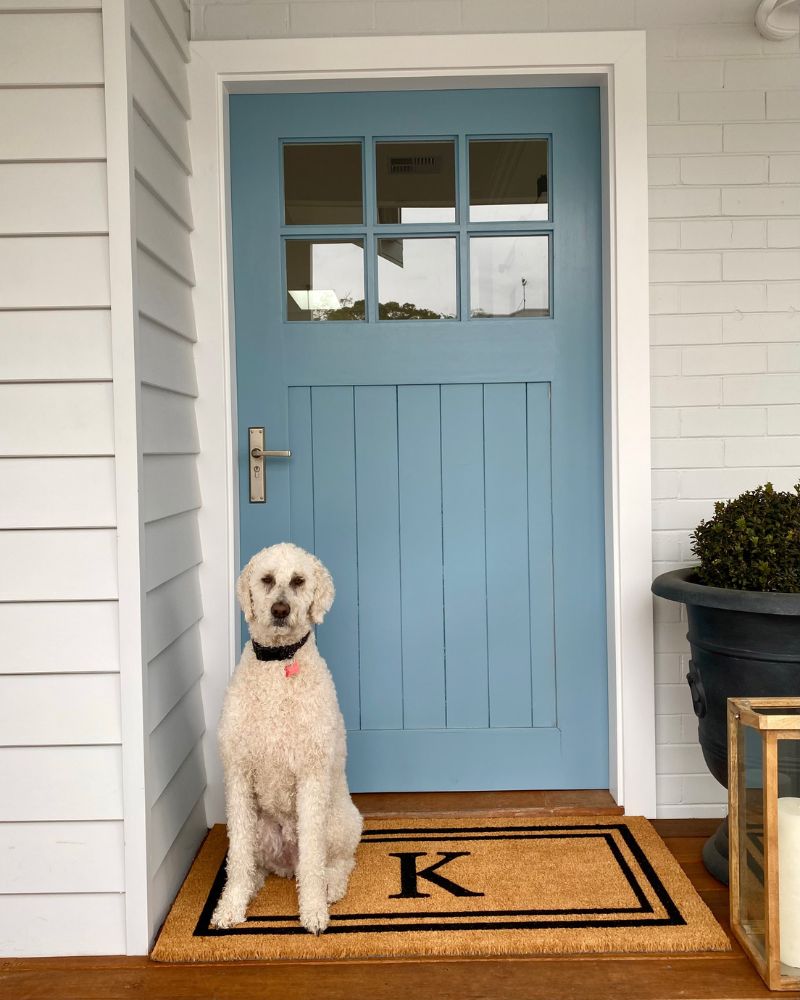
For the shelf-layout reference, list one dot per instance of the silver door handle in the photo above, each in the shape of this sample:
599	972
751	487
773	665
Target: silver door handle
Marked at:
258	453
258	469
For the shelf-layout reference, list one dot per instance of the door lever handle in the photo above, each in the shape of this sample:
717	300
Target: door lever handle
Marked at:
258	468
258	453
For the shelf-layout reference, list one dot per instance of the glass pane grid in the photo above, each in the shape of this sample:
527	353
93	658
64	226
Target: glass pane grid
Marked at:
420	262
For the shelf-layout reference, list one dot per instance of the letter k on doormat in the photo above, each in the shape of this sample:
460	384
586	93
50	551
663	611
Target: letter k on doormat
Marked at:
491	885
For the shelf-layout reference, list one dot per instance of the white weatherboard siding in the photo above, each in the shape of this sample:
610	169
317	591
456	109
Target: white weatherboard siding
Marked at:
724	159
170	495
97	391
62	886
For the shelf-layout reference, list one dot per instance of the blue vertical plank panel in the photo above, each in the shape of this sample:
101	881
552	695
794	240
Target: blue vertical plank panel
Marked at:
301	469
421	568
335	535
540	555
464	549
381	675
507	584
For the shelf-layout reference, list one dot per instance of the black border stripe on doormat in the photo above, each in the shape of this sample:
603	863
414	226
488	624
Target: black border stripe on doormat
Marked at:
602	830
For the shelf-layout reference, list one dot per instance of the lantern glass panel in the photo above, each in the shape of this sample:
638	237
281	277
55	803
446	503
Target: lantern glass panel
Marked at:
789	852
751	837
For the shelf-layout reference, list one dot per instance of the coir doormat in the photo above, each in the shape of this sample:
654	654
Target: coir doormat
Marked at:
479	886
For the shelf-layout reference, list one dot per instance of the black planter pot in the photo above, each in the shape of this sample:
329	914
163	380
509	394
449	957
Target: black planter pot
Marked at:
744	643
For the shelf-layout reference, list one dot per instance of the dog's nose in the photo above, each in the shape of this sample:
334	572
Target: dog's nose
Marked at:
280	609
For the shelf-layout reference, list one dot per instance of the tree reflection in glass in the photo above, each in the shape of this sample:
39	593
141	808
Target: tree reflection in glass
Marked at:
325	280
417	278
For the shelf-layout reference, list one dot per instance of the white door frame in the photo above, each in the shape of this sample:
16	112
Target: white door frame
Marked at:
612	60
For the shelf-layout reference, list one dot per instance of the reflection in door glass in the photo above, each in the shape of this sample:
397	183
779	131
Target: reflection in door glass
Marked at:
509	276
322	183
325	279
507	180
417	278
416	181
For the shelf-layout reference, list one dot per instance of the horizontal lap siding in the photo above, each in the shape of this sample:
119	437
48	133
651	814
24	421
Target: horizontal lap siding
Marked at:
53	565
55	49
53	198
70	924
85	633
159	171
28	485
59	709
50	123
171	871
169	441
54	272
60	783
55	345
62	857
172	673
66	881
60	754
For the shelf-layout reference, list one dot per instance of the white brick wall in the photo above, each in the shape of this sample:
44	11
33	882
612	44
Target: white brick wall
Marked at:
724	144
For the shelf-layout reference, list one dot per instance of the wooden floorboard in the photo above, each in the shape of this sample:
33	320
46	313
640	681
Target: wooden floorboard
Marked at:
582	802
591	977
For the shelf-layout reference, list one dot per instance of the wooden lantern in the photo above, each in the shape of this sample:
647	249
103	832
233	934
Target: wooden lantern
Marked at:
764	816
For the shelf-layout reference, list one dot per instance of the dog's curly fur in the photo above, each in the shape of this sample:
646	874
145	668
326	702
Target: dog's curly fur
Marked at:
282	742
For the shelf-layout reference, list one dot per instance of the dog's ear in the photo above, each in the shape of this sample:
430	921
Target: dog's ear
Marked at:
245	593
324	593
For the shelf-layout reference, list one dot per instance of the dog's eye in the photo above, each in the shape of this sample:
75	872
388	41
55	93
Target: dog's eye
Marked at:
269	579
296	581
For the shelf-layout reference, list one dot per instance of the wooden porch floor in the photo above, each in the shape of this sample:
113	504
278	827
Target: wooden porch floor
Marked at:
591	977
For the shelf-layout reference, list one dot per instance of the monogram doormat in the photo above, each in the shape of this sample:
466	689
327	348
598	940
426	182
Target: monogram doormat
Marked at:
477	886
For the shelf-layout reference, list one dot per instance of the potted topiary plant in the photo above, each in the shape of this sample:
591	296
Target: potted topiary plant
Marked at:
743	607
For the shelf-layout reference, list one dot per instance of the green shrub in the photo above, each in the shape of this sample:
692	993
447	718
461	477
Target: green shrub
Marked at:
752	542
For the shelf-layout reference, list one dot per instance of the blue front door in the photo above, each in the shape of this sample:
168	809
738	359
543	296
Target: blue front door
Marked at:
417	282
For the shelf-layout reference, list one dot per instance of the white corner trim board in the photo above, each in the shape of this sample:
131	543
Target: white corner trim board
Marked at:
612	60
127	430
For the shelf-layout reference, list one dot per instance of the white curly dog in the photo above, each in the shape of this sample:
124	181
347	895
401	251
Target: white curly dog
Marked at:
282	742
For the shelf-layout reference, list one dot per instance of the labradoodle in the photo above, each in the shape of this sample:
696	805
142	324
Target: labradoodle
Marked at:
282	742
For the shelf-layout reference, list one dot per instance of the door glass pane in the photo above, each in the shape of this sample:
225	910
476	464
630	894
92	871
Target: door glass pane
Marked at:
416	181
509	276
507	180
325	279
417	278
322	184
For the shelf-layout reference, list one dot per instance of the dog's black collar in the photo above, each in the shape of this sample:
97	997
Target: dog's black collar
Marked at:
277	652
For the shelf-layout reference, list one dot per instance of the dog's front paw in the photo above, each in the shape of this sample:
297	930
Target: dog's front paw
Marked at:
314	917
230	910
337	877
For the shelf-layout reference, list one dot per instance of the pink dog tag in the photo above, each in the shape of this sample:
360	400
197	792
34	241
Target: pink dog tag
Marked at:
291	669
